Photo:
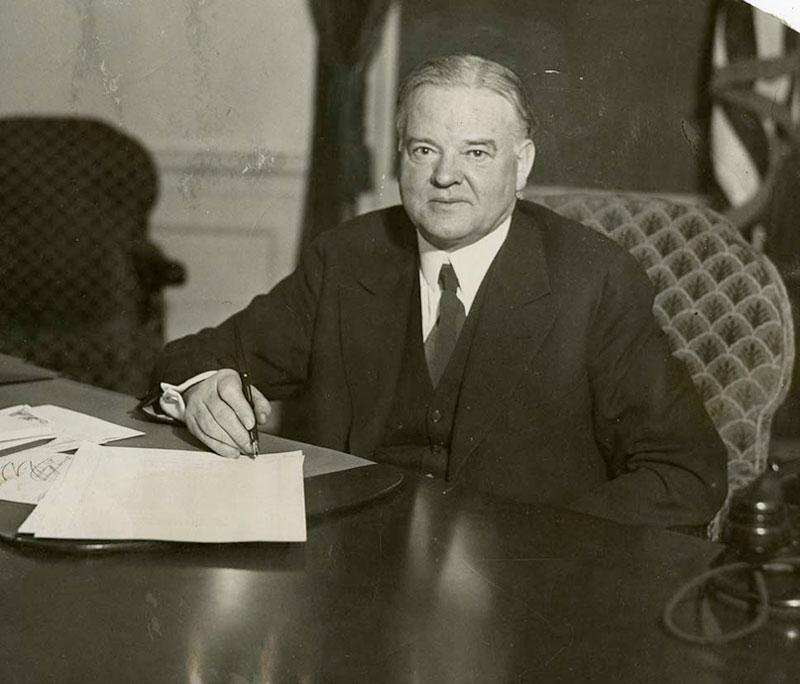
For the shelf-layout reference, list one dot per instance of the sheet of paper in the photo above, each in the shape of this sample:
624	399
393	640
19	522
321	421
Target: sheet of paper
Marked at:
25	477
161	494
73	427
24	424
62	499
41	511
19	424
14	443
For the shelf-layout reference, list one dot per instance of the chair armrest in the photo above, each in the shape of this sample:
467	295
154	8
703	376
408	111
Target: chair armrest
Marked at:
154	268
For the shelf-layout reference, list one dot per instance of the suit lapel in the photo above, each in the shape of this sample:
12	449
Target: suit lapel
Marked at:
374	314
516	314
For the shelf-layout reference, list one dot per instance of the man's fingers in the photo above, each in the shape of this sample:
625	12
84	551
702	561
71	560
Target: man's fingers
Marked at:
229	423
209	425
222	448
230	391
261	405
219	415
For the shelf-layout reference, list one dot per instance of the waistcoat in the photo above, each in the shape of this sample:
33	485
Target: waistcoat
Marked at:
420	425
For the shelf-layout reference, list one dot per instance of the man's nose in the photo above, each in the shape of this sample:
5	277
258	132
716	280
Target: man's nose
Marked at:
446	172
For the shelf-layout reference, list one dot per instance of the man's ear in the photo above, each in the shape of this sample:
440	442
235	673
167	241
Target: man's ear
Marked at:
525	157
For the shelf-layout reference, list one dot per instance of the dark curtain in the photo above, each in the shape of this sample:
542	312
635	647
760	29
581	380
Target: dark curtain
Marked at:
348	32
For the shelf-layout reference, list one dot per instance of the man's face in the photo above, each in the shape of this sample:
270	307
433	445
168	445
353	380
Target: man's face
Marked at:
462	159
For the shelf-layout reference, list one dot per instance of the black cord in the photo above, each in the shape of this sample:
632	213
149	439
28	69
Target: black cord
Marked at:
762	614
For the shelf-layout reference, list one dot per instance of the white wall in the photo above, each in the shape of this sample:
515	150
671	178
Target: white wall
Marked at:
220	91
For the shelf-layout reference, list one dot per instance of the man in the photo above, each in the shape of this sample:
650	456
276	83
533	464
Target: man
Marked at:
467	335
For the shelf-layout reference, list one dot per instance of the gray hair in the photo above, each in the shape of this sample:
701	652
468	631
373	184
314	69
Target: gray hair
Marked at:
470	71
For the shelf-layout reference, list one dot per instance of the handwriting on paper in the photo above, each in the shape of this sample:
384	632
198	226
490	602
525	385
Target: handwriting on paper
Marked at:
25	477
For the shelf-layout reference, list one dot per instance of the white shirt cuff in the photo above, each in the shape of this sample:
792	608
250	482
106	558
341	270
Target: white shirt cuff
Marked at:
171	400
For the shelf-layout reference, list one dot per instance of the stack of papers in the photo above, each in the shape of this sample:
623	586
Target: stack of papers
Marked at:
25	476
114	493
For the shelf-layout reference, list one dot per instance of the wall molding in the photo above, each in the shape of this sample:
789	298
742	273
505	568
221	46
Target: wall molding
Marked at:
199	161
192	229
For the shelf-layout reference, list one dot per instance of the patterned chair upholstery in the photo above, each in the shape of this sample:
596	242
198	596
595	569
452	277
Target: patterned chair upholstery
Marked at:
722	305
81	285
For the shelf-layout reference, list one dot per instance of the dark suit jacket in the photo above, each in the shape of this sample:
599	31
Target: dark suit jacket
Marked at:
570	394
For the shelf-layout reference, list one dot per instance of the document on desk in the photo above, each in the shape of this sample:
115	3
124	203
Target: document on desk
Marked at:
28	472
163	494
73	427
68	428
20	425
26	476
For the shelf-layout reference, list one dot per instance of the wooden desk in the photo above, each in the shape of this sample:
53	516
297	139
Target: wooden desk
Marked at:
426	585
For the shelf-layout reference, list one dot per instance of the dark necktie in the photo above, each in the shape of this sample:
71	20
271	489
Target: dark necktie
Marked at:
442	339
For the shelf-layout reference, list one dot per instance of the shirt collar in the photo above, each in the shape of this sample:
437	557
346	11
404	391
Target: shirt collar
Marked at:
470	262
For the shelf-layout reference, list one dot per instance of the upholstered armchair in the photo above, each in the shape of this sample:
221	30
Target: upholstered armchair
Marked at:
81	284
722	305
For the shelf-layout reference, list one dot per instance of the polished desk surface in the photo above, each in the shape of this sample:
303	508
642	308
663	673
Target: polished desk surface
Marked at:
425	585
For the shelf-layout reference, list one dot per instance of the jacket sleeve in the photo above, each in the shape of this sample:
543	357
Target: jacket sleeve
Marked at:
276	330
667	462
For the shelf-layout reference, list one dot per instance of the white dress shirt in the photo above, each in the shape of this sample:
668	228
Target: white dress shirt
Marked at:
470	264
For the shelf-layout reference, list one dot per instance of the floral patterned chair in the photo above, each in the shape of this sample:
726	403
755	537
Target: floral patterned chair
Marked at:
722	305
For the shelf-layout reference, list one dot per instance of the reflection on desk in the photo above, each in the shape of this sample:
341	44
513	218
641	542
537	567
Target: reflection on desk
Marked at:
427	584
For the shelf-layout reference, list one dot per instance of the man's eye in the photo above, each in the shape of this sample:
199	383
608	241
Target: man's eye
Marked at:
477	154
421	151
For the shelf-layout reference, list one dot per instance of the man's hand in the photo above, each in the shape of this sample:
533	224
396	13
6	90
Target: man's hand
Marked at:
218	414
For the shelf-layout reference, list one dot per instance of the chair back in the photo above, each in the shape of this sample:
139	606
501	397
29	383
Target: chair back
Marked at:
722	305
75	195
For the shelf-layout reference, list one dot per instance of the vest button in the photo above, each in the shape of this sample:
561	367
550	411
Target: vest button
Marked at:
436	415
